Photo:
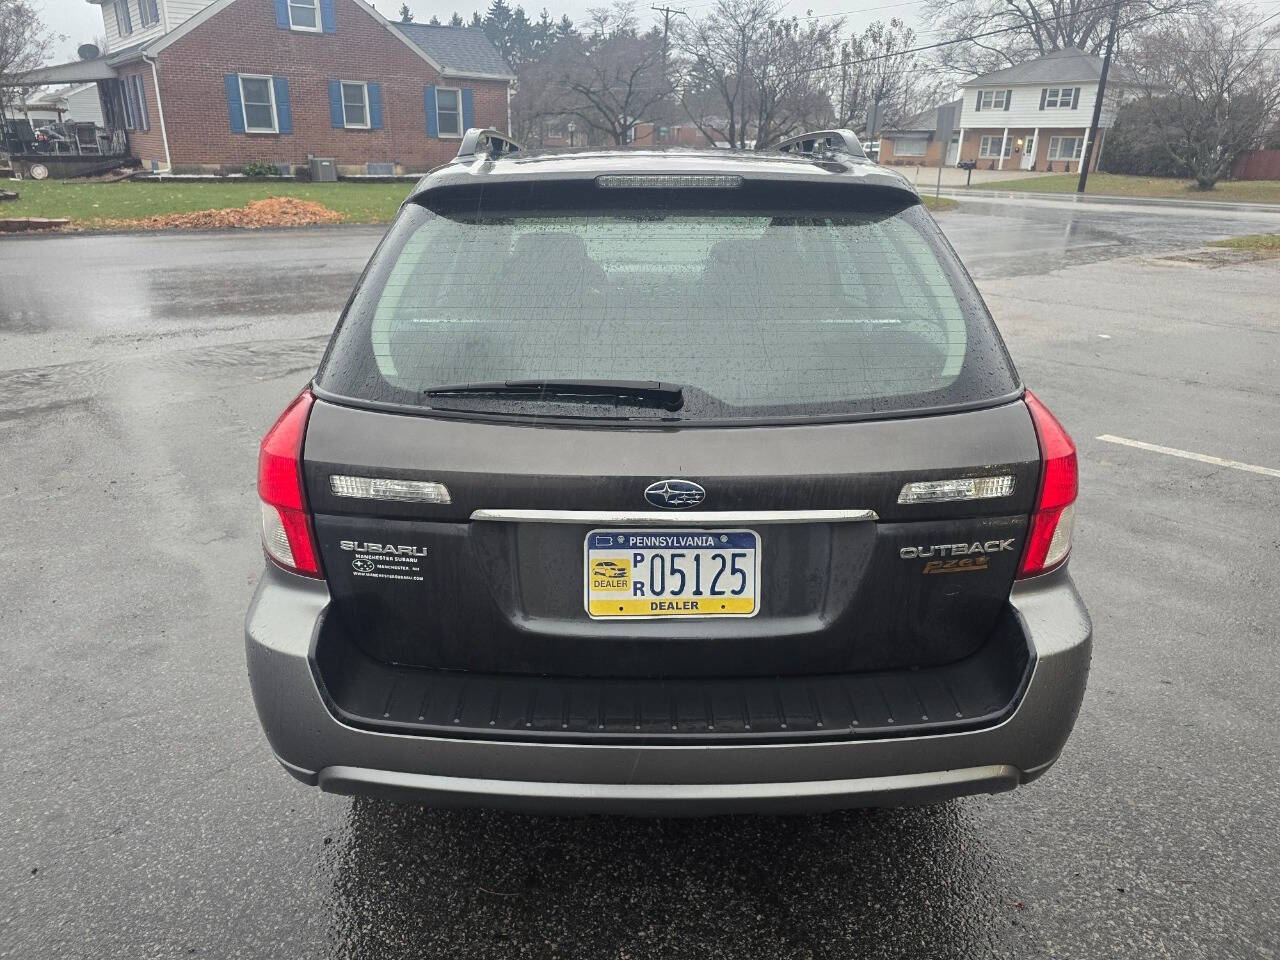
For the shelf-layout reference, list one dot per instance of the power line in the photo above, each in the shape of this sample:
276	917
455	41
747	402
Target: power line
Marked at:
948	43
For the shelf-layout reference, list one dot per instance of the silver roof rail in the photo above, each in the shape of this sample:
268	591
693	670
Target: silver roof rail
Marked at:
823	144
487	143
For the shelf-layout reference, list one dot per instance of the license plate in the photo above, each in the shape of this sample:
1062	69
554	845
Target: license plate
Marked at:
646	574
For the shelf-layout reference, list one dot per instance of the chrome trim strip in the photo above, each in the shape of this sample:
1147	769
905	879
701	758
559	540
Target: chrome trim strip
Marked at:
675	518
652	797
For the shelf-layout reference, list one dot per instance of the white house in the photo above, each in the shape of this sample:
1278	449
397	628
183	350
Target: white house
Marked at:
1033	116
75	104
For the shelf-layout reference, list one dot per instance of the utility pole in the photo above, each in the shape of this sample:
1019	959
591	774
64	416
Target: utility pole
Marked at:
1097	102
666	29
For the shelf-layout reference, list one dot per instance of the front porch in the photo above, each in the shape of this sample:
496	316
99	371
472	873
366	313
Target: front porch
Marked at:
1034	149
70	148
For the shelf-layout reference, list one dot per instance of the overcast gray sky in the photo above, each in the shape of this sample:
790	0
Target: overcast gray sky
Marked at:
80	21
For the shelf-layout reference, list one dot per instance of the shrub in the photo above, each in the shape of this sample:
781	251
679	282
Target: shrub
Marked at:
1133	145
257	168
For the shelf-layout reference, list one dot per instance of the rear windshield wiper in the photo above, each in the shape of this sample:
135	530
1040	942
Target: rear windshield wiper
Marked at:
669	396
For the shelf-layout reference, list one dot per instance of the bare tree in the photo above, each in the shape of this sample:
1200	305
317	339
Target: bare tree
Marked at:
24	45
786	94
607	80
1210	86
879	66
717	52
1018	30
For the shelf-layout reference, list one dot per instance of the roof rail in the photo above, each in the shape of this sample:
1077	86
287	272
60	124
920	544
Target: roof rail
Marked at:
823	144
487	143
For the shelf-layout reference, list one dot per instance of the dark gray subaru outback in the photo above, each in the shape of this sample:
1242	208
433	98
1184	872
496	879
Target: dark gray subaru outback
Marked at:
666	483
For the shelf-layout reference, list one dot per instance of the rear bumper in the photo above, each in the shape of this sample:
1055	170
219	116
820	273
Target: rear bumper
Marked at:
654	779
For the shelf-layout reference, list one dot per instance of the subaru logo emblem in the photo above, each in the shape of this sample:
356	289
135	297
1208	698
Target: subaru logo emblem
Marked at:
674	494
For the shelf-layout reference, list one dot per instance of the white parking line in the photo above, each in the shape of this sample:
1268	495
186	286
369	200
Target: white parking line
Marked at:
1188	455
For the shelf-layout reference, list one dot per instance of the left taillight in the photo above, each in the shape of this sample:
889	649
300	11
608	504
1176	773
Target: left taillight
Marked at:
1049	539
287	533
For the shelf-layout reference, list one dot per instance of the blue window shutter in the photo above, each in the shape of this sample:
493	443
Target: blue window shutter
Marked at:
429	98
282	14
284	113
235	110
335	104
468	110
375	106
326	17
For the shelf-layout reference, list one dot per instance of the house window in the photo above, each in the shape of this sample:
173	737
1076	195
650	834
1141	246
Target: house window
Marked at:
143	122
133	100
1066	148
259	102
1059	97
355	105
148	12
994	99
910	147
124	25
990	146
304	15
448	112
126	104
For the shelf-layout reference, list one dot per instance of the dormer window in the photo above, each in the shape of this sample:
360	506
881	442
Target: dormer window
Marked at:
304	15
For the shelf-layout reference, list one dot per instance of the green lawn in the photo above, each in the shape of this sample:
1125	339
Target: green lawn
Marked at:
1119	185
1268	243
86	202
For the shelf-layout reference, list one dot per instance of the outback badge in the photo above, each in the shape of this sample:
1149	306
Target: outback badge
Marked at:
675	494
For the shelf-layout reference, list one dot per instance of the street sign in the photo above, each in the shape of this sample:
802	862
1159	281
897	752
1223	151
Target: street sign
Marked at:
946	126
873	119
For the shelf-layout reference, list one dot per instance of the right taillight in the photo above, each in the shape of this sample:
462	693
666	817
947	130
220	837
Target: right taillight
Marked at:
1049	541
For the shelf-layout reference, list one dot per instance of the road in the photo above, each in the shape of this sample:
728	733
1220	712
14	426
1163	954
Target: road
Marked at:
144	816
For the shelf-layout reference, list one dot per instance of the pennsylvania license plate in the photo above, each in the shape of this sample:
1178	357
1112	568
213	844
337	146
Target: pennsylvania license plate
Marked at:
672	573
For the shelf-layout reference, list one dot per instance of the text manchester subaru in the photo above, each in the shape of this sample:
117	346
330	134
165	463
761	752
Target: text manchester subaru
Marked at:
667	482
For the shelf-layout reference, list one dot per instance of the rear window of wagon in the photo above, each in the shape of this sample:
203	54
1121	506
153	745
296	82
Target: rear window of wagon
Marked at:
771	301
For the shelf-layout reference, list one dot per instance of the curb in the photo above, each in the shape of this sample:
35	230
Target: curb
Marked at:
1093	198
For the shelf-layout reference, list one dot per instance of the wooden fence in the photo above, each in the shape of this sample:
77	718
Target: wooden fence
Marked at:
1257	165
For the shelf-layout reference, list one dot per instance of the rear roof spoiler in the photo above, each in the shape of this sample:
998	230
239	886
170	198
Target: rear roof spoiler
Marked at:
488	143
823	144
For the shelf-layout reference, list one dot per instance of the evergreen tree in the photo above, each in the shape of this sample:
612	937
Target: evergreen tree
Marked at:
565	28
406	15
456	20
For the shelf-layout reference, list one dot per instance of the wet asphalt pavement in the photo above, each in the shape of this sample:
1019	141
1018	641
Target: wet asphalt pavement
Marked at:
144	817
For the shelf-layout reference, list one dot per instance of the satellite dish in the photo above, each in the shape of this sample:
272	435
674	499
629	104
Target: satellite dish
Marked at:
88	51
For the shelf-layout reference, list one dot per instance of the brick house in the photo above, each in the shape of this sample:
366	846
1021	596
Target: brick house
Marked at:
1032	116
210	88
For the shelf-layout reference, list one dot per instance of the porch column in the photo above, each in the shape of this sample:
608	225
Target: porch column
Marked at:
1084	145
1035	146
959	147
1004	142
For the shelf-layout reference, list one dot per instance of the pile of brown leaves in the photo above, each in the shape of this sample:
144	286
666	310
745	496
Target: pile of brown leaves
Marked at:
271	212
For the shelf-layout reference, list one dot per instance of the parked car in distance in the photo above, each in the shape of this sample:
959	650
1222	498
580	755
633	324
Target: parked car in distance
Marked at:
658	482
